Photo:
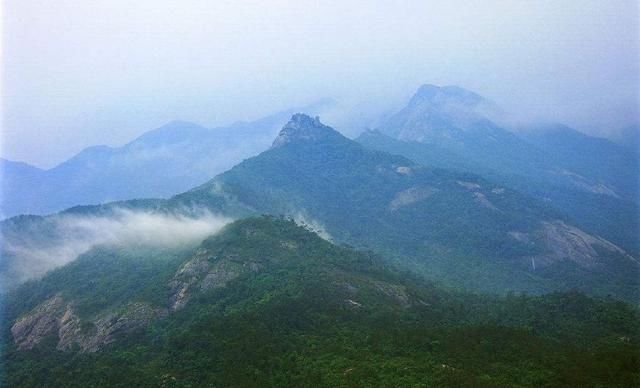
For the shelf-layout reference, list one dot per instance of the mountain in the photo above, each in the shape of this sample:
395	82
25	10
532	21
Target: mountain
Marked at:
441	114
18	177
160	163
629	137
586	156
456	228
16	170
593	180
265	302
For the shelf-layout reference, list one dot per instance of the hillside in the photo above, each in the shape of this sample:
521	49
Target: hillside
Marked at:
593	180
268	303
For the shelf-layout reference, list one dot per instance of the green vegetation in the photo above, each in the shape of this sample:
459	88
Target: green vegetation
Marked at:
455	228
304	312
266	302
613	217
452	227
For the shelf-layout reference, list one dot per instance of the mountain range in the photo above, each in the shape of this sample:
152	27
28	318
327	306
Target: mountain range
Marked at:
157	164
441	249
593	180
454	227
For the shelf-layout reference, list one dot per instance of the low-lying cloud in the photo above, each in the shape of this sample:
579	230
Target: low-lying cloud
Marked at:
77	234
311	224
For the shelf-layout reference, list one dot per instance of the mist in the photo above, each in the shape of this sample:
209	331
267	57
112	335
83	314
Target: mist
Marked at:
311	224
77	234
81	73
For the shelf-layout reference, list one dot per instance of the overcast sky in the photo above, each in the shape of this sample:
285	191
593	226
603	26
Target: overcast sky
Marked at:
77	72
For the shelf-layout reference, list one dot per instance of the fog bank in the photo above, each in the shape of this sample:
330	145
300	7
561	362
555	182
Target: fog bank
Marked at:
74	235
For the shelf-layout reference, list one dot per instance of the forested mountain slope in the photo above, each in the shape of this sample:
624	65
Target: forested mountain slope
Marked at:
593	180
268	303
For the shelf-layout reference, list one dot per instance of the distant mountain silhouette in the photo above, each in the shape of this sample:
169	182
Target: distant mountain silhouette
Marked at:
160	163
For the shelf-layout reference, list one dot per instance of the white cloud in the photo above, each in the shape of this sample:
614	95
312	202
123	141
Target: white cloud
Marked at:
312	224
77	234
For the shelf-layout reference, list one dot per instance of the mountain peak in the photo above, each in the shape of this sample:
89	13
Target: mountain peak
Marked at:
445	94
303	119
426	91
442	114
173	132
303	127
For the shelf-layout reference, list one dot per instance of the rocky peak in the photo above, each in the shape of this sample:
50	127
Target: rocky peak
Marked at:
441	95
303	127
425	92
442	114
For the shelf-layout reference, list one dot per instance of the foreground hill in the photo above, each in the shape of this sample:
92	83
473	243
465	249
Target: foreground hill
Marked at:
268	303
158	164
593	180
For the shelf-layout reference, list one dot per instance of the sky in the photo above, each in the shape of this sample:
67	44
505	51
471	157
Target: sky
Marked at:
77	73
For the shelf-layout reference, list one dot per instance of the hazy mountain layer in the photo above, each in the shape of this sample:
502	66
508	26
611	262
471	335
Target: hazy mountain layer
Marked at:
592	180
158	164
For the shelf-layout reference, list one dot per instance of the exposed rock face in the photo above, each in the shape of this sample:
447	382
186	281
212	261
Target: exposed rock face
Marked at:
57	317
445	95
348	287
521	236
566	242
468	185
41	322
303	127
220	274
410	196
404	170
202	273
356	290
588	185
105	329
440	114
480	197
352	304
484	201
396	292
69	329
135	316
189	274
289	245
